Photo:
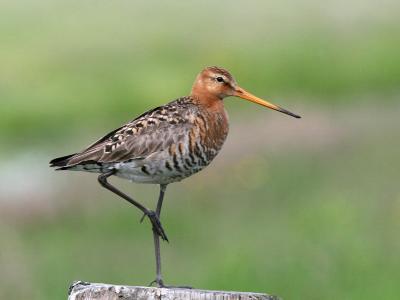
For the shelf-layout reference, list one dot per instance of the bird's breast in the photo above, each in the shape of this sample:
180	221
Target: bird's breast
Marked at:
189	152
213	129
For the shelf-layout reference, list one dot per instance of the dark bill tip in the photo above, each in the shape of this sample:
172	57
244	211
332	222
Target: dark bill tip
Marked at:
282	110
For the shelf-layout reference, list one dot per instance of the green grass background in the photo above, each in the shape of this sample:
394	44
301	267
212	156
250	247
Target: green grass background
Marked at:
311	215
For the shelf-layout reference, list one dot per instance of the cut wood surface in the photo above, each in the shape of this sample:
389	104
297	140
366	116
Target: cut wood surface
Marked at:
99	291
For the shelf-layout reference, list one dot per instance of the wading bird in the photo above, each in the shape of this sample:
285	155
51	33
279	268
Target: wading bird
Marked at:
165	144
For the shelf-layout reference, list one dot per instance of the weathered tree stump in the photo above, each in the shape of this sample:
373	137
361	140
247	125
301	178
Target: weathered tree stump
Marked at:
99	291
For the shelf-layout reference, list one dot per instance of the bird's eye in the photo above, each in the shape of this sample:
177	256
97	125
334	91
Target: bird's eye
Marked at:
220	79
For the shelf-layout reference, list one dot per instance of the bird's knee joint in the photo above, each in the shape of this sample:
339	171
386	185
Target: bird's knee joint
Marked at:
102	180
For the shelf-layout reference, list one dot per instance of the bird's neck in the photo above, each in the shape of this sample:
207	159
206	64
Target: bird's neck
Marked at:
216	117
208	101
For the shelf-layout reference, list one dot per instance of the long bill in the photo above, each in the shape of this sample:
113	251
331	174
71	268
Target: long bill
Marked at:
242	93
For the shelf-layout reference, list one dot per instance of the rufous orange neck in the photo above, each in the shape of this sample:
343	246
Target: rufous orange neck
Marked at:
206	99
210	102
206	93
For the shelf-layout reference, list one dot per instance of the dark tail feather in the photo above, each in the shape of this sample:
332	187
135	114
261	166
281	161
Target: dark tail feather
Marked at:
61	161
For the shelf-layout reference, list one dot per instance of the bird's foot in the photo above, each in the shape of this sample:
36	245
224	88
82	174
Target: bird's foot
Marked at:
155	222
160	284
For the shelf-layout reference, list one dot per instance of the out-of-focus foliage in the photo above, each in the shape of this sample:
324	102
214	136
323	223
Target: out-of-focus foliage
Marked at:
64	61
306	209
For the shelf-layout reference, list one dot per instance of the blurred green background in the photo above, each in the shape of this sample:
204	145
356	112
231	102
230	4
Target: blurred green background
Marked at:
304	209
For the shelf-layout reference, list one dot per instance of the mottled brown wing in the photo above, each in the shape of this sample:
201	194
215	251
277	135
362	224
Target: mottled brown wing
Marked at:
151	132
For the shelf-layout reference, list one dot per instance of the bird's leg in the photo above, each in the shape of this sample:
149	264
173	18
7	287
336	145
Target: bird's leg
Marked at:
156	238
158	280
152	215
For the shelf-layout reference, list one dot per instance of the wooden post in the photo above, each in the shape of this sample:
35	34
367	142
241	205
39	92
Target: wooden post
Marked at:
80	290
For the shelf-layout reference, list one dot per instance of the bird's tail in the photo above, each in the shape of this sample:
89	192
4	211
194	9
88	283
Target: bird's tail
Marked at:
61	162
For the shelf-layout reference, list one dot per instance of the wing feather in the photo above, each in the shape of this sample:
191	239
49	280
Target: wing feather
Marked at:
151	132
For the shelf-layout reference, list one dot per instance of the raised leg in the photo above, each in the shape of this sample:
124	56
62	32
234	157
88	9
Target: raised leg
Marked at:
152	215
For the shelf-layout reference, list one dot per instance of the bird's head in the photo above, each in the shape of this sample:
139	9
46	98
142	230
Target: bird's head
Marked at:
215	83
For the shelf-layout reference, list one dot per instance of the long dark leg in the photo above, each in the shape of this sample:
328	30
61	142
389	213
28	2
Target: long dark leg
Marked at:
156	238
152	215
159	281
